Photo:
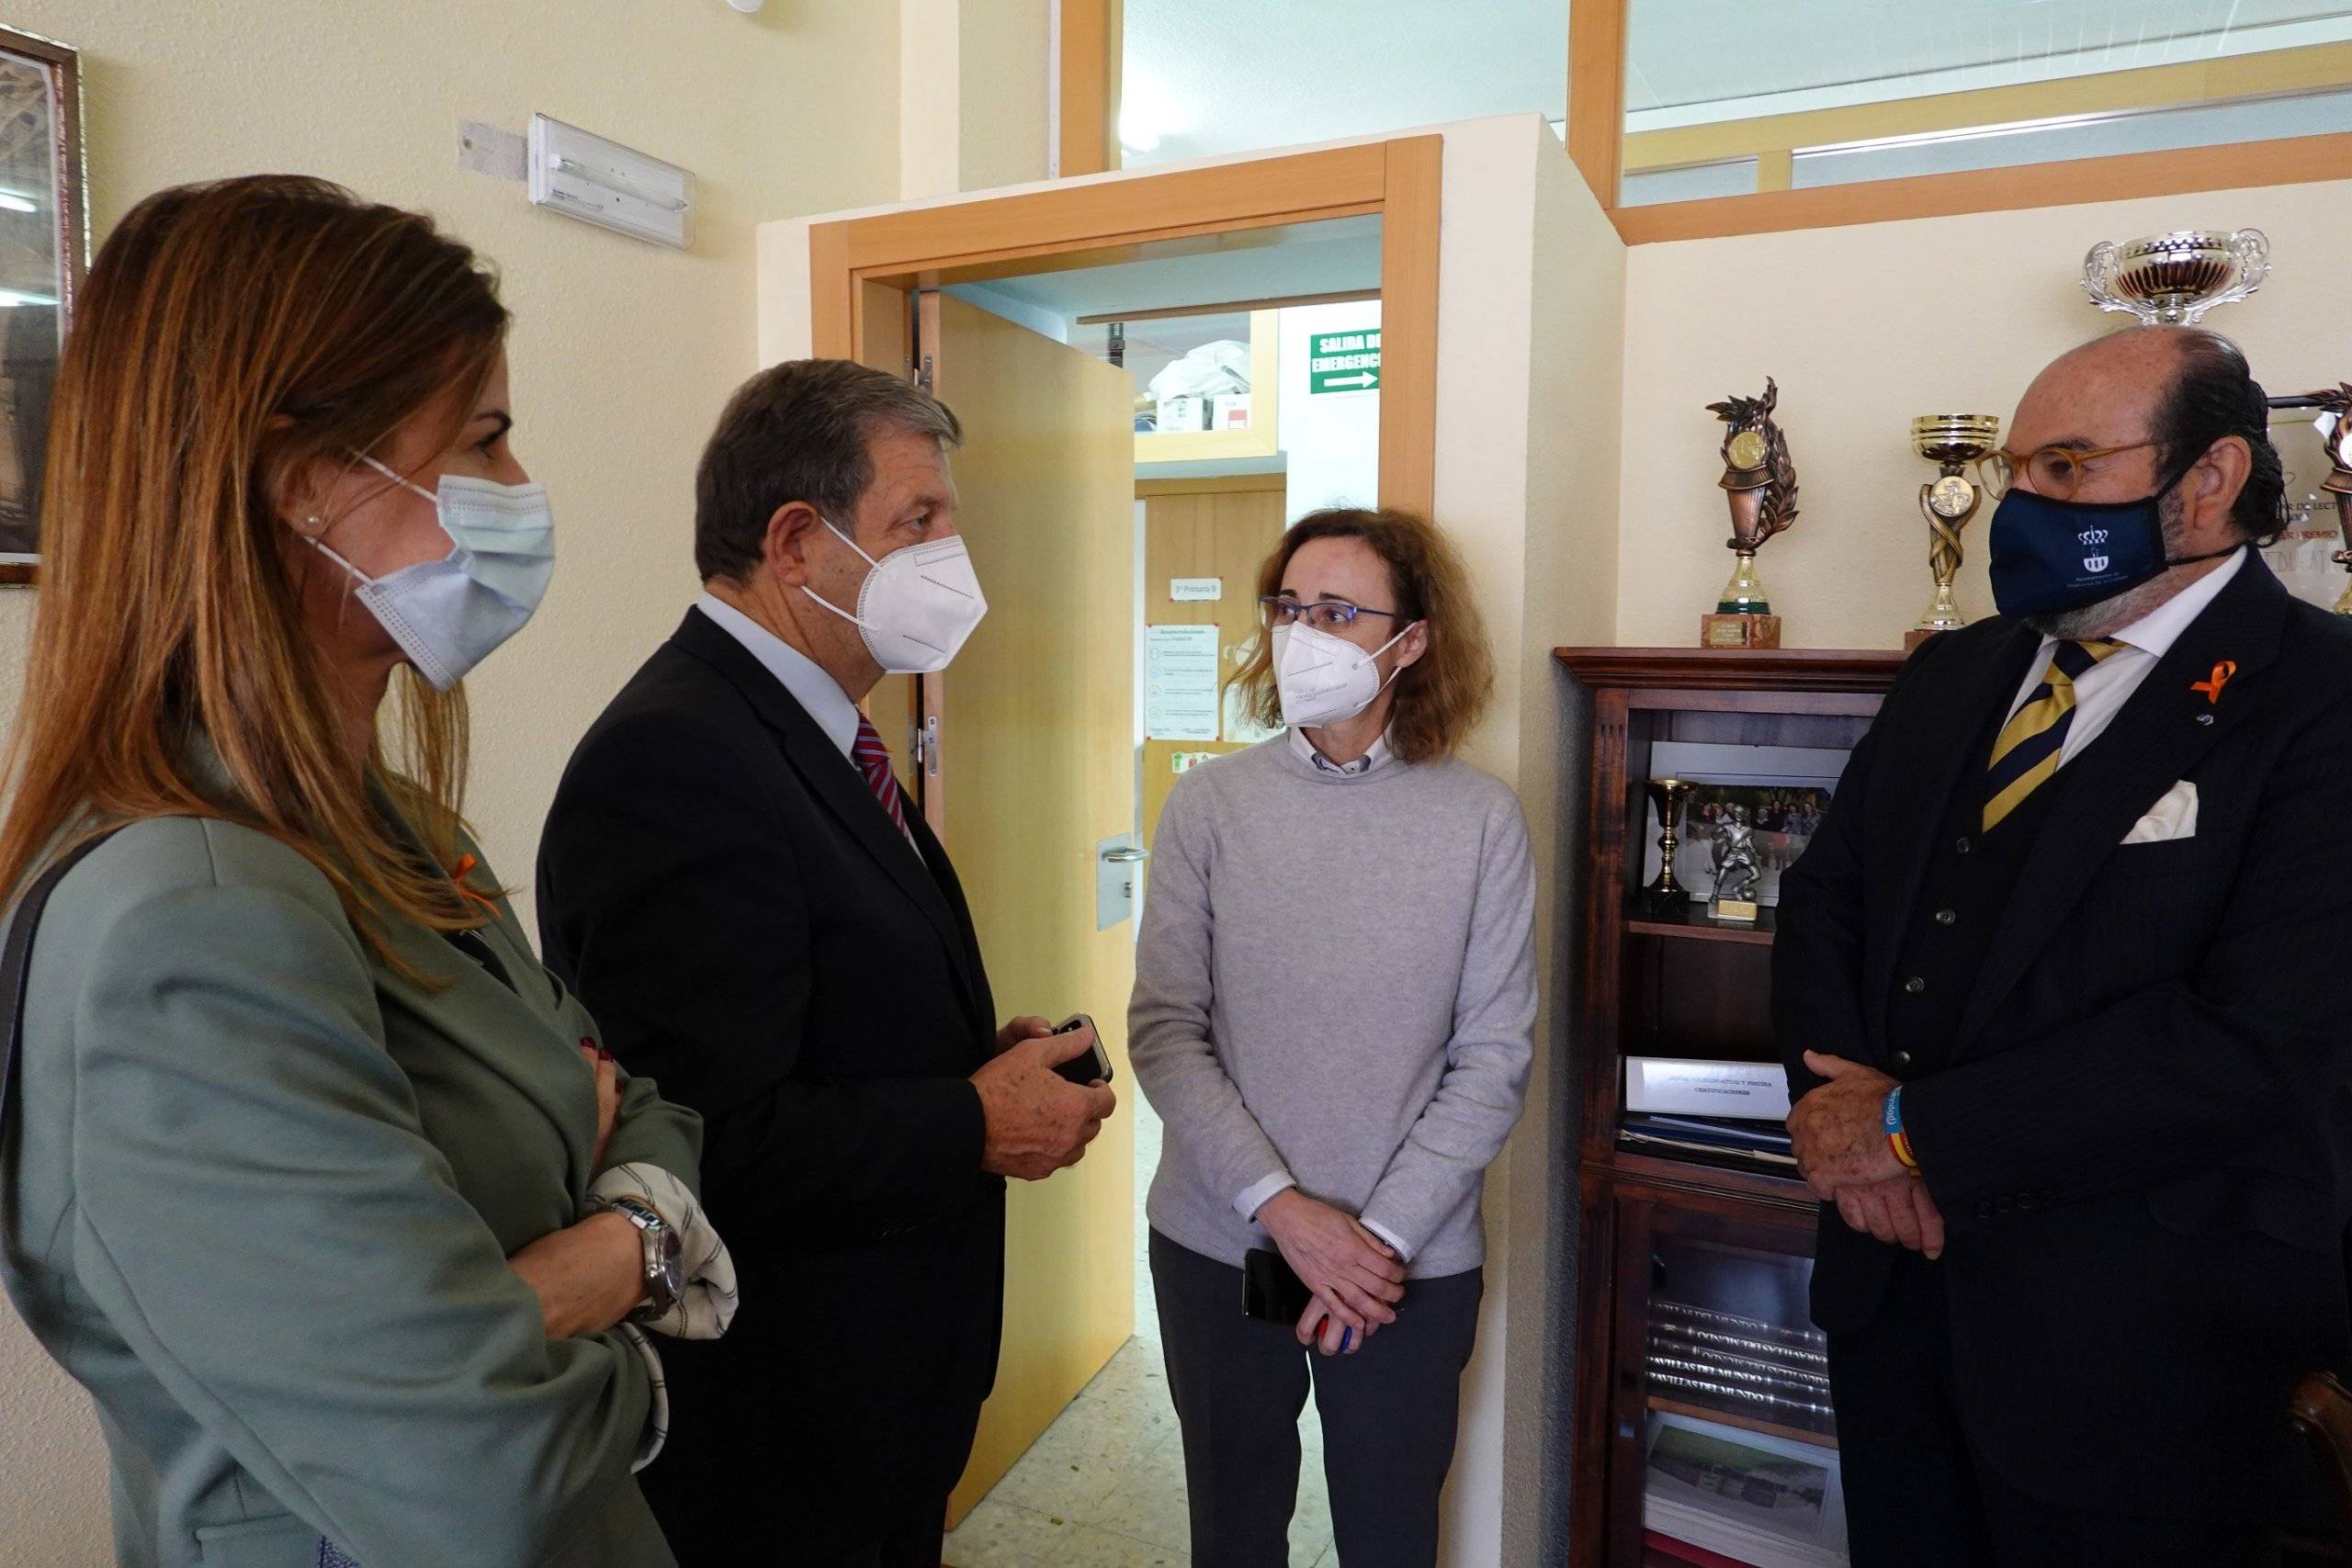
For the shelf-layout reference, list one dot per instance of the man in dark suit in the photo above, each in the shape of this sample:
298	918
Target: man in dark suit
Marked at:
732	882
2054	984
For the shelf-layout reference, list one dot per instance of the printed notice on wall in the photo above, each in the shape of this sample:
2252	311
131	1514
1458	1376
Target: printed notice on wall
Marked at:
1195	589
1179	682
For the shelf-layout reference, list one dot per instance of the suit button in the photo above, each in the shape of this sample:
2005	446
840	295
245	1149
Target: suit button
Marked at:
1961	847
1902	1059
1984	1208
2048	1198
2025	1202
1947	917
2003	1204
1915	984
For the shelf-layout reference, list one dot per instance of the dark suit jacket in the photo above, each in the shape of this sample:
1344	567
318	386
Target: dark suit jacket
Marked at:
718	883
2139	1144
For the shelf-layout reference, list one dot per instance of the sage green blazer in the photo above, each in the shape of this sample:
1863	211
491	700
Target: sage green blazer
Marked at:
259	1202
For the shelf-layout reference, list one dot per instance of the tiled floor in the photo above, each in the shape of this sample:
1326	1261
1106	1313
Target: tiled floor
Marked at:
1104	1486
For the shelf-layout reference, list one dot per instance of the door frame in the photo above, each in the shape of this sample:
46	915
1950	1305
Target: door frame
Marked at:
862	270
865	274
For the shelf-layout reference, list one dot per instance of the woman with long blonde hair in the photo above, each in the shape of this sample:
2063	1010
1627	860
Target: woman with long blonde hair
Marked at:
1335	994
312	1176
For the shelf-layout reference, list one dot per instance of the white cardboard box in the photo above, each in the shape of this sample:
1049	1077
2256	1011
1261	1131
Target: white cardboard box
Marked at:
1670	1086
1187	413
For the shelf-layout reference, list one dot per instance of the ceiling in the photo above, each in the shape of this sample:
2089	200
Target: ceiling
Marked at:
1207	77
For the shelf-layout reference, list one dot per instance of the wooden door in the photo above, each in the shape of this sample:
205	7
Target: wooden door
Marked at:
1034	768
1197	530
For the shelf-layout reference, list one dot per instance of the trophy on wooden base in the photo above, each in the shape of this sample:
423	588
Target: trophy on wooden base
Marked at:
1951	442
1761	487
2172	280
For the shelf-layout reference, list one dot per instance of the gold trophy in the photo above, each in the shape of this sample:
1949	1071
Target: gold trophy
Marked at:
2338	482
1762	486
1666	896
1951	442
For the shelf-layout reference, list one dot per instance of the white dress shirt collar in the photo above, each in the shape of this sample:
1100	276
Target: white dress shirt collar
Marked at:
1306	752
814	689
2156	632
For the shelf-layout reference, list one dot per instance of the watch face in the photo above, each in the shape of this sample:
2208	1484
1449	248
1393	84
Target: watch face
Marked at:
1951	496
1747	449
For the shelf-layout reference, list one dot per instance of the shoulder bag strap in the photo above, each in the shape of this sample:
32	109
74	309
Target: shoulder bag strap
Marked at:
16	959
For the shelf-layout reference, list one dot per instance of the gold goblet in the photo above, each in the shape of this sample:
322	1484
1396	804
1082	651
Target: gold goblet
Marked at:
1951	442
1666	895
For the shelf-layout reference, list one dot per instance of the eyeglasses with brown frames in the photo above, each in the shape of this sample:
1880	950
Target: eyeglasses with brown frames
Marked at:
2054	471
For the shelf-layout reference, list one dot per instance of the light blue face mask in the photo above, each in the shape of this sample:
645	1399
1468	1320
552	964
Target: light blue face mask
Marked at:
449	614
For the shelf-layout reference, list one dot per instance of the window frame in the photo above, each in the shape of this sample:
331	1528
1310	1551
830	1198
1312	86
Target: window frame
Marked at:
1597	30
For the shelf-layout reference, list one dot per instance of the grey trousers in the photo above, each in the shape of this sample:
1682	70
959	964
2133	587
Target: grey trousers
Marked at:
1388	1417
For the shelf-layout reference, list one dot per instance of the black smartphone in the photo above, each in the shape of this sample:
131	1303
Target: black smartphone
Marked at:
1095	1064
1270	1291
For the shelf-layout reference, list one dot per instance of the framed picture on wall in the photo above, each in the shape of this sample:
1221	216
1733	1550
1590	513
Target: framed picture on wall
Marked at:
42	242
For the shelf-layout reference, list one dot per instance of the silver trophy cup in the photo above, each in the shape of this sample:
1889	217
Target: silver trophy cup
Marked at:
2172	280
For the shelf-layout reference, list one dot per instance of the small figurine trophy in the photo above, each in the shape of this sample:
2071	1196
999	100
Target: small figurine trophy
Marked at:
1762	486
2338	482
1737	868
1951	442
1666	896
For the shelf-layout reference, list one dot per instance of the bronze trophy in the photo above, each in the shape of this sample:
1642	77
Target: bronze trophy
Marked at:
1762	489
2338	482
1951	442
1666	896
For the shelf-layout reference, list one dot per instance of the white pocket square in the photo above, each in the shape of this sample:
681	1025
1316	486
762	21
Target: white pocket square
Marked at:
2170	818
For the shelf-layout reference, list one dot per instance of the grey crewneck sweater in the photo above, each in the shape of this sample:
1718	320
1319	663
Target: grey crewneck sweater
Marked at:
1335	982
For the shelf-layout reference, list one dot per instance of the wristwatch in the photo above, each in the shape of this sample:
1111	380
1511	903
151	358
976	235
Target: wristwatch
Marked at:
665	1270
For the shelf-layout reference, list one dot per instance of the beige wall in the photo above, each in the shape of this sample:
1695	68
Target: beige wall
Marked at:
975	94
623	351
1864	327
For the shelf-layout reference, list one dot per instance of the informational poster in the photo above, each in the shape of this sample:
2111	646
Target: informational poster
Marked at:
1179	682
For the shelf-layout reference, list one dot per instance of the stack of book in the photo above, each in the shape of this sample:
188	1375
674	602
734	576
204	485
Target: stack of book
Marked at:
1732	1112
1742	1142
1765	1369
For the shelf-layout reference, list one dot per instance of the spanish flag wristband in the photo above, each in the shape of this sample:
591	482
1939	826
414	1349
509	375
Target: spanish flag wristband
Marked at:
1895	1135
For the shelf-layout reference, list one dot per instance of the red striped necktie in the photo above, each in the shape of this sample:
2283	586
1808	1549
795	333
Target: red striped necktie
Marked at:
874	760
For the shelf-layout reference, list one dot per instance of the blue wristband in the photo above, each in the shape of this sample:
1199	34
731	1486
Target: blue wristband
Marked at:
1894	1112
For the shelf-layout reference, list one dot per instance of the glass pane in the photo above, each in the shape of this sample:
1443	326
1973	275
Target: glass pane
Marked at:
1730	1332
30	318
1204	78
1836	91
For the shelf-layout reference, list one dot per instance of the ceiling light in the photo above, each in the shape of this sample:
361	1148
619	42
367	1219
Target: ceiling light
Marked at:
11	202
10	297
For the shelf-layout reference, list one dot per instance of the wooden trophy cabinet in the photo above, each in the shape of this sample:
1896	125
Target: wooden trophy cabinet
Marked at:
1695	1264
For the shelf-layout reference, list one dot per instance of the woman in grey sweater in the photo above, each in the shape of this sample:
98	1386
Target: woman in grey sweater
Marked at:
1334	994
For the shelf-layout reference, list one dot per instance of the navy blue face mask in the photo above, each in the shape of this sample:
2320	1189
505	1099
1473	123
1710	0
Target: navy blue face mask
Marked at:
2050	556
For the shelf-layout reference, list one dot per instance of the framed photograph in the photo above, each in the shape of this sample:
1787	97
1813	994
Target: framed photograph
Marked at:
43	241
1783	789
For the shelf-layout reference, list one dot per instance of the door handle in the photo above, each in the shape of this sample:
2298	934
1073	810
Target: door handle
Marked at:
1125	857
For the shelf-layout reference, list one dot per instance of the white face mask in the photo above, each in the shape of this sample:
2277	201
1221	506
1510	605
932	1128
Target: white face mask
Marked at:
916	606
1324	678
449	614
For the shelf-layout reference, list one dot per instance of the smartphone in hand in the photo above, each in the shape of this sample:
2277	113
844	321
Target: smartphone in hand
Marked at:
1094	1065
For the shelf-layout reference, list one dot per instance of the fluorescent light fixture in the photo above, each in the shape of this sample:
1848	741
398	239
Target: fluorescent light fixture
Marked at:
11	202
10	297
602	182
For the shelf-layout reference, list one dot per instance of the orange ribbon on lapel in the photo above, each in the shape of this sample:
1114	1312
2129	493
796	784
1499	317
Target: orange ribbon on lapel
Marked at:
2221	678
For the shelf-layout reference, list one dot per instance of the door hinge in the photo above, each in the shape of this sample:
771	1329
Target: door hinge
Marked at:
926	379
931	746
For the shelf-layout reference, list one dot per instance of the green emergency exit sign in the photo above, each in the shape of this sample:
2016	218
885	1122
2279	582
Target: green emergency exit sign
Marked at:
1343	362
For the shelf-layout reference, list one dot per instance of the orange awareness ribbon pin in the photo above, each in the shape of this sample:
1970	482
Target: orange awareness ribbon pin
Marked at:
2221	678
459	873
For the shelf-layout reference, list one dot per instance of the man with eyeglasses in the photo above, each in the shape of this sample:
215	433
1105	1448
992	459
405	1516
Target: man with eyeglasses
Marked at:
2075	1098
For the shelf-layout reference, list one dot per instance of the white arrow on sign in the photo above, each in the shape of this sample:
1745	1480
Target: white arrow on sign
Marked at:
1361	379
